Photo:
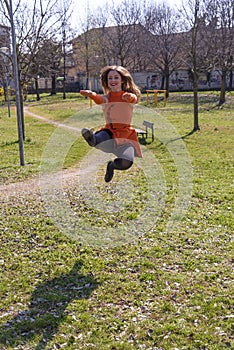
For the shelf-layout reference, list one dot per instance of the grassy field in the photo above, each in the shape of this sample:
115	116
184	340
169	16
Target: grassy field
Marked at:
166	290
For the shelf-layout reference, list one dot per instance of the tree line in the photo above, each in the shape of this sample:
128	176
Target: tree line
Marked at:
147	35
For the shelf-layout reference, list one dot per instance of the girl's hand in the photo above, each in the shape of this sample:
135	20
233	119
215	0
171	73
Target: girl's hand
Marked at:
86	93
98	99
129	97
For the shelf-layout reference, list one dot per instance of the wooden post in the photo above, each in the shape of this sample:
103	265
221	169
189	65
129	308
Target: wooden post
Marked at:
165	97
156	97
156	92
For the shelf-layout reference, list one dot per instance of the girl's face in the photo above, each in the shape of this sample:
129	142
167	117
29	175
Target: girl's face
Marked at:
114	81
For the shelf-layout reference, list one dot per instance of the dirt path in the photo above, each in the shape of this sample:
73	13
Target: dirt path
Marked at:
49	121
32	186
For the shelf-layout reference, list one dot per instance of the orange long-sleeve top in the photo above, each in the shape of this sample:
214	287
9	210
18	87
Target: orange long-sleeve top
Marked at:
118	117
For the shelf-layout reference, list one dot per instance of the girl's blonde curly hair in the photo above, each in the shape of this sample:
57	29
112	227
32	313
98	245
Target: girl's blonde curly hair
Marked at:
128	84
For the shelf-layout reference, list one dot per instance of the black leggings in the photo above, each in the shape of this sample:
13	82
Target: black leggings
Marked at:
122	164
124	153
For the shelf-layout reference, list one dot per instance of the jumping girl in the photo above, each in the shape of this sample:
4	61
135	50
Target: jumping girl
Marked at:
117	137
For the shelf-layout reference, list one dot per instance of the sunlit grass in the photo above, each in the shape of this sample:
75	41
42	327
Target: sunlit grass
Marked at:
167	290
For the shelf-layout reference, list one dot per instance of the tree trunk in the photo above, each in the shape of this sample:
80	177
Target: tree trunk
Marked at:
195	71
87	86
195	102
223	88
162	82
64	87
37	89
5	87
230	80
167	83
53	87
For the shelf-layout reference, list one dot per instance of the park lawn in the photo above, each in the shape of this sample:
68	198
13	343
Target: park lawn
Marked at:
37	134
55	107
166	290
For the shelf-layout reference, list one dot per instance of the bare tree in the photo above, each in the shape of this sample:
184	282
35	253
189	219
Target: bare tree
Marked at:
161	20
210	42
64	12
5	61
47	64
194	62
101	53
127	17
193	13
224	36
34	22
84	45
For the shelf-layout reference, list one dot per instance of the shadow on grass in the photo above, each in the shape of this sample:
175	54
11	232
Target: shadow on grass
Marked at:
189	134
182	137
47	309
8	143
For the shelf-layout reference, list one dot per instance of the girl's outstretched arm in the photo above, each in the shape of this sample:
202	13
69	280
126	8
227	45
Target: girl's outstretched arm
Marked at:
98	99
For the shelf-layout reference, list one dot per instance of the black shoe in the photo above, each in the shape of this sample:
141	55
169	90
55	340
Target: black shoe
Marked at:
89	137
109	171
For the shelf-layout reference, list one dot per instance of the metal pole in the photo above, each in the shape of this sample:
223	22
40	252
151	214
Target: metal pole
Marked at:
17	89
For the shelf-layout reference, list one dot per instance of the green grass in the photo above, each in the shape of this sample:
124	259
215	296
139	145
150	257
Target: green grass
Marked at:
166	290
37	134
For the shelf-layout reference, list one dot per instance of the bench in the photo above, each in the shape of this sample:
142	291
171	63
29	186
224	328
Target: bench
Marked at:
144	133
